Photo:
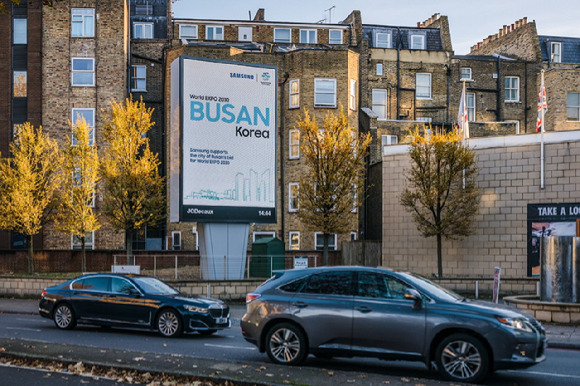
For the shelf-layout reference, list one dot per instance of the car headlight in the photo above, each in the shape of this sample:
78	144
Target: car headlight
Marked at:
515	323
199	310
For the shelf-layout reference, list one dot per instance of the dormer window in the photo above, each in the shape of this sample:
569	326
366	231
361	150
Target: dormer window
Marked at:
556	52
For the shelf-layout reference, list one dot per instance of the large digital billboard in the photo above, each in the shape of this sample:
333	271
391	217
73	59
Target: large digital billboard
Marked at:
228	141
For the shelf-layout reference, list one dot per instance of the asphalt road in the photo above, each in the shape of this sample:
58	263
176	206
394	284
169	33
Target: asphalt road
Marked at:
560	367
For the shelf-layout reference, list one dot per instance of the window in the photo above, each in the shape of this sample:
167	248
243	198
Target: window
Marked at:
77	186
424	119
382	40
417	42
245	34
122	286
176	240
89	115
139	78
82	22
214	32
324	92
379	69
308	36
142	30
556	52
423	86
187	31
573	106
330	283
334	36
294	240
377	285
380	103
282	35
20	32
352	236
83	71
470	101
465	73
319	241
512	89
196	240
293	197
352	96
89	243
388	140
144	9
262	235
294	144
20	86
294	93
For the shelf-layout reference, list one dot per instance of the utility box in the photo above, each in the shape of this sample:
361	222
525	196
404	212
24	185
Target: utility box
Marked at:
268	254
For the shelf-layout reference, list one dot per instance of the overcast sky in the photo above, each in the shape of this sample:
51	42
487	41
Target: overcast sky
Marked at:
470	21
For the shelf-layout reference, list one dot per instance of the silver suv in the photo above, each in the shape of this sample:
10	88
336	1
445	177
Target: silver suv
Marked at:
374	312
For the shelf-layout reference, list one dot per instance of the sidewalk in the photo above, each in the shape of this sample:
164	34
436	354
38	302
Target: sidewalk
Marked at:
559	336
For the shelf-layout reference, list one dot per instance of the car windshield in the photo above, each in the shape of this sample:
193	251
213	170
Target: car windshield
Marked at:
432	288
154	286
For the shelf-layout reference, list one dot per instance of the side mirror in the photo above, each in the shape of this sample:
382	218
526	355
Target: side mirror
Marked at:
413	294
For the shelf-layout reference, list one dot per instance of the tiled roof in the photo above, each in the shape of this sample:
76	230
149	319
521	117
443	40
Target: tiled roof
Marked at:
570	48
433	40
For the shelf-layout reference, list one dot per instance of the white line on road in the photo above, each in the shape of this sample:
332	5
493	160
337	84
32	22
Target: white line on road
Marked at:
23	329
545	374
233	347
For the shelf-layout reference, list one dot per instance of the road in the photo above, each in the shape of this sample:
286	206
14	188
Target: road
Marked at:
561	366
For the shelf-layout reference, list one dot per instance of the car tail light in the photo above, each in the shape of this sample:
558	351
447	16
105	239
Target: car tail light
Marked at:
43	293
251	297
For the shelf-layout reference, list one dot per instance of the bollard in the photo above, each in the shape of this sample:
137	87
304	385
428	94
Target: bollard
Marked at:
476	289
209	290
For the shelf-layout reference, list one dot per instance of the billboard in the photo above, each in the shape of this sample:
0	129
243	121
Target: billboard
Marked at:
227	115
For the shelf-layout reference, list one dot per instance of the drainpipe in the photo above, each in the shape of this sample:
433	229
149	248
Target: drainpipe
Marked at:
498	98
398	73
282	158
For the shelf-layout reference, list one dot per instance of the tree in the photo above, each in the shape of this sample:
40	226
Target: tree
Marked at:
333	184
29	182
50	3
80	173
442	194
133	189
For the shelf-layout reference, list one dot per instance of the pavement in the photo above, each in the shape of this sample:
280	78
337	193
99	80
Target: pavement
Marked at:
559	336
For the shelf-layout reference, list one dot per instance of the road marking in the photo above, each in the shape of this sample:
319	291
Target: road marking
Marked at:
23	329
233	347
544	374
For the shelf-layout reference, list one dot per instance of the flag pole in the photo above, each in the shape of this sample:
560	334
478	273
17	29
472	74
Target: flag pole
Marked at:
542	159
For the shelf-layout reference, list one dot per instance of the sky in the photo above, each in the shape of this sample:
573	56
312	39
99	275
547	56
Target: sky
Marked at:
470	21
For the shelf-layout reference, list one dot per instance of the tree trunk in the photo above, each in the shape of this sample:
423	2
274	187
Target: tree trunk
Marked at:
325	237
83	255
30	255
129	245
439	258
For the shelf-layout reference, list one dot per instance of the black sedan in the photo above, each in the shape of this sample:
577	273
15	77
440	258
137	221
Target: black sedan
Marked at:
109	299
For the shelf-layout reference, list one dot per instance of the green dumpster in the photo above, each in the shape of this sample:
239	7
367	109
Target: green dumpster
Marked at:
268	255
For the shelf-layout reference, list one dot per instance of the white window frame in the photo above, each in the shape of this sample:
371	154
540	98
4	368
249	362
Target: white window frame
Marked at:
334	40
144	9
425	76
381	109
20	30
277	39
383	40
352	95
509	98
465	73
293	197
574	108
308	36
134	77
262	234
293	246
184	35
80	72
353	236
245	33
294	94
556	52
215	32
76	113
321	235
379	69
389	140
470	101
86	18
88	245
424	119
417	40
318	92
145	30
294	144
173	244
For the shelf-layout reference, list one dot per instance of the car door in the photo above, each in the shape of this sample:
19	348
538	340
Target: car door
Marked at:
125	304
384	322
324	309
87	295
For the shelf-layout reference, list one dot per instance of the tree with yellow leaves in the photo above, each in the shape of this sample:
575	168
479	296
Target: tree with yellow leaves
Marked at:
133	189
29	182
442	194
332	187
76	213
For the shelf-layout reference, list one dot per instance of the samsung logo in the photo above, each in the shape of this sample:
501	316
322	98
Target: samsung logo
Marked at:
241	76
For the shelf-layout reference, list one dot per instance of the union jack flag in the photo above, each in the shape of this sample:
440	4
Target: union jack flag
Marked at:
462	117
542	108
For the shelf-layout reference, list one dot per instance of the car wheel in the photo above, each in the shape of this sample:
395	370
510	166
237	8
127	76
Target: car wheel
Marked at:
64	317
286	344
462	358
207	332
169	323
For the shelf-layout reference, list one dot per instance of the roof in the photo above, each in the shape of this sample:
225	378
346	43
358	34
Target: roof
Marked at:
433	41
570	48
